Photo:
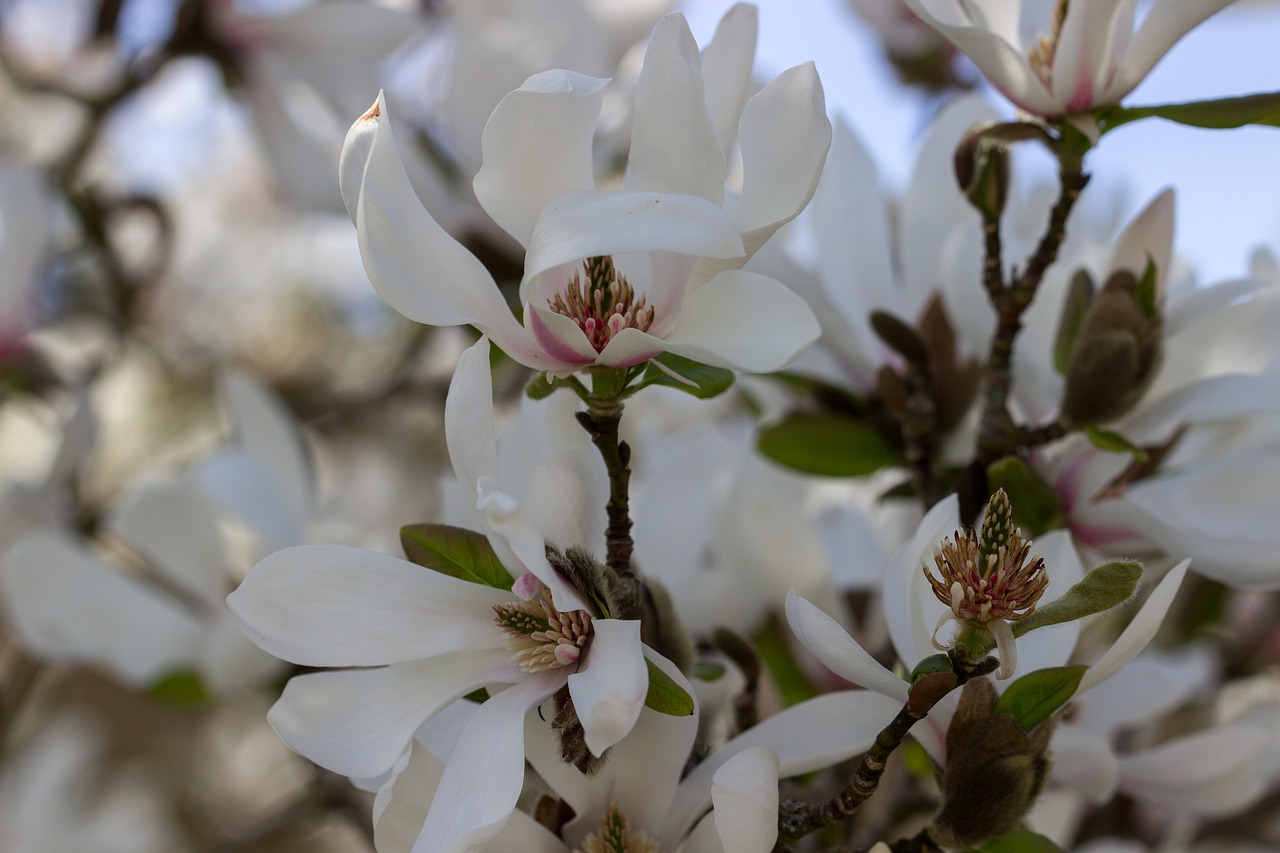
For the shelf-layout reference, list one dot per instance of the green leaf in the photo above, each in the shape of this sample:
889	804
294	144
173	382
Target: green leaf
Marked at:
1020	841
829	444
542	386
183	687
1146	295
453	551
1074	307
1107	586
665	696
1037	507
1033	697
701	380
1217	114
1113	442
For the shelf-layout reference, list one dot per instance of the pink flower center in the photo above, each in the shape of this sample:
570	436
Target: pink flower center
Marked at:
602	303
540	636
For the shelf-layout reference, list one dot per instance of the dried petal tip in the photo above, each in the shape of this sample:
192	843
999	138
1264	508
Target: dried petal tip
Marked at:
371	113
616	837
604	304
540	636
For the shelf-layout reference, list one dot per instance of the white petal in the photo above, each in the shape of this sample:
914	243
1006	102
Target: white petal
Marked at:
1209	774
911	609
238	485
357	722
1082	59
609	691
482	781
468	419
536	146
229	661
744	793
745	321
269	434
176	530
413	263
1085	761
1139	632
330	605
1166	22
66	604
673	145
806	737
832	645
1150	234
566	498
784	138
726	70
583	224
559	336
1052	646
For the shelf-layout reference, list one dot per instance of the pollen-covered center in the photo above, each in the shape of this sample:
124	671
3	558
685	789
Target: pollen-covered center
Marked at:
540	636
615	836
602	302
992	577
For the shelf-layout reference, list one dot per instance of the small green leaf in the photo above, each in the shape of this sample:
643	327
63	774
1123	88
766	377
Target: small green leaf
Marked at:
665	696
1020	841
708	671
672	371
1217	114
1074	307
1146	295
1113	442
183	687
1033	697
542	386
1107	586
1037	507
453	551
931	664
829	444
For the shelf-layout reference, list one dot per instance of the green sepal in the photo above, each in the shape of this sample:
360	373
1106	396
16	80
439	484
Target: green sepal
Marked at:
542	386
1020	841
1113	442
1146	294
665	696
692	377
933	663
1074	308
1032	698
1107	586
1037	507
829	444
456	552
1262	108
182	687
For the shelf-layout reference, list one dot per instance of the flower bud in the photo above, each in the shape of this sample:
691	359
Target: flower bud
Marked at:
995	770
982	171
1115	355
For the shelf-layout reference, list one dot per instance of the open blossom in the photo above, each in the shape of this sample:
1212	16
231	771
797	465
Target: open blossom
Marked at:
405	642
1094	53
614	277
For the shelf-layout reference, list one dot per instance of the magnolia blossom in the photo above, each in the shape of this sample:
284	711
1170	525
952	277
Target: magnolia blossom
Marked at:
418	640
913	611
1093	54
614	277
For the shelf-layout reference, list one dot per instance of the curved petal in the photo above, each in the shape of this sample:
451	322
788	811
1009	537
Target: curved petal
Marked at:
357	722
1208	774
1085	761
269	434
468	419
1164	25
412	262
1148	235
673	144
583	224
726	70
911	610
536	146
1139	632
1052	647
744	794
174	528
1082	58
229	660
814	734
559	336
609	691
66	604
330	605
784	138
482	781
832	645
745	321
237	484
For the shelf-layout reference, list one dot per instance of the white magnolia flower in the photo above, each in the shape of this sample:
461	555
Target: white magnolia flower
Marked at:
70	602
1094	53
727	802
665	274
407	641
913	611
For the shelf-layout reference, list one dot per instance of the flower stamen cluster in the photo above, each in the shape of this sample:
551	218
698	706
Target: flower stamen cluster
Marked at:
604	304
1041	55
615	837
540	636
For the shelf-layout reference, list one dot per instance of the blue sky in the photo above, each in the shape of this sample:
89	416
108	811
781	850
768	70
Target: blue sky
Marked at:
1228	182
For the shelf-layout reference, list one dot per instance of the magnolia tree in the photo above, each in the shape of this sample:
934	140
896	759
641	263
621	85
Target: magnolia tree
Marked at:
671	489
